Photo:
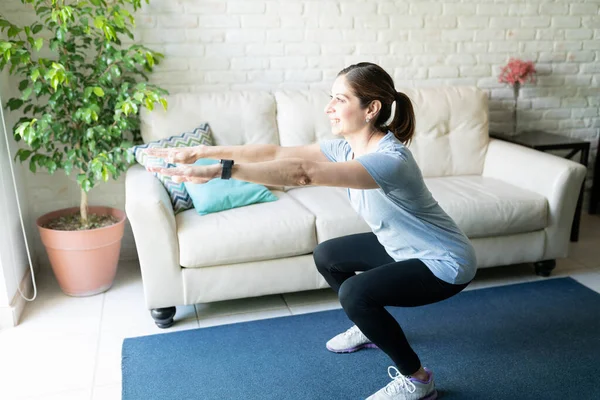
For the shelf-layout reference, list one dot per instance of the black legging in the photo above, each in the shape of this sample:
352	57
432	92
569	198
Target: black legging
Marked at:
385	282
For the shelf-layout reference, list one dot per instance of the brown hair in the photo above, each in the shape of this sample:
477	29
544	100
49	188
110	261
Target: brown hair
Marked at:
370	82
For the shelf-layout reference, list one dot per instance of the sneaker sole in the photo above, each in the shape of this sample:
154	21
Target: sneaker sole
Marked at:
353	349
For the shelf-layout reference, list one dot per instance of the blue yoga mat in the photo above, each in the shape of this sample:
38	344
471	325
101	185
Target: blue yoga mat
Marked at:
538	340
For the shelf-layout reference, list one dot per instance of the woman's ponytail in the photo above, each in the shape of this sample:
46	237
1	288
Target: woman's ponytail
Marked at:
403	124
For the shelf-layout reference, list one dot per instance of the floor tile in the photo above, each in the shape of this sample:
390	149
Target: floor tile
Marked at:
587	249
56	363
109	392
70	395
125	311
590	279
586	252
108	364
53	312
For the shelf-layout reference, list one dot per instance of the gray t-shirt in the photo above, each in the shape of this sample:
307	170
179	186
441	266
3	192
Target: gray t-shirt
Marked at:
403	214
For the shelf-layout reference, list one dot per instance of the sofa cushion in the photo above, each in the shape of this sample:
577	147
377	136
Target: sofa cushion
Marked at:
485	207
180	198
235	117
451	133
334	215
224	194
265	231
301	117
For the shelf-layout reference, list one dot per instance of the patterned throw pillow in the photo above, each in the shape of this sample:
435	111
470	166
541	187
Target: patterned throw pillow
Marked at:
180	198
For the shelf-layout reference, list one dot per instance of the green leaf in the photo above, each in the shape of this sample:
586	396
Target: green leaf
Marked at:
35	74
37	28
68	167
150	59
164	103
98	91
14	104
13	31
23	84
21	129
39	43
149	104
5	46
27	93
23	154
51	166
99	22
86	185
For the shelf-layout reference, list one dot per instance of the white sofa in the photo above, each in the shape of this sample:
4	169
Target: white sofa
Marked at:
515	204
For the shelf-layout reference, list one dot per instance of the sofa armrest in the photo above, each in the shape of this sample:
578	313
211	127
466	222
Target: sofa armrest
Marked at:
152	220
557	179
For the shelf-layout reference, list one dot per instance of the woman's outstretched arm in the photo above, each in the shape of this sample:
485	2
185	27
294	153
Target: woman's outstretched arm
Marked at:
248	153
283	172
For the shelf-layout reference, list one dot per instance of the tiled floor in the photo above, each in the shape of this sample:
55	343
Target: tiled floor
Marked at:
69	348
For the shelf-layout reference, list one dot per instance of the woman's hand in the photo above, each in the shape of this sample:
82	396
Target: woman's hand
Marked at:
193	174
177	155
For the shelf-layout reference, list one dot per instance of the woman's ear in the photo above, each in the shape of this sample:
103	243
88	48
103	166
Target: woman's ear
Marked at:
373	109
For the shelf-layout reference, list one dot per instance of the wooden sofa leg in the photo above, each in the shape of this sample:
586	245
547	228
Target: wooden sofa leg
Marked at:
163	317
544	268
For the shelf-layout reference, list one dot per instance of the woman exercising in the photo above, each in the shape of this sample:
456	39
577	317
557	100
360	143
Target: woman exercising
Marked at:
415	254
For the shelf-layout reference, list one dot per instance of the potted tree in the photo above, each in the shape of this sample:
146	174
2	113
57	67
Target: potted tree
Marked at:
81	90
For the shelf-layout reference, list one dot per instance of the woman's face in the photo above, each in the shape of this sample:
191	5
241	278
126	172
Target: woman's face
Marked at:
343	110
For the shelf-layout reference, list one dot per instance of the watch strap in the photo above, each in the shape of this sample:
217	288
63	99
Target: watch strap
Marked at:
226	168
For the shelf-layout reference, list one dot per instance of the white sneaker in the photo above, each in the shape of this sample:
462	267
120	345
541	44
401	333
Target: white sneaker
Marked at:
351	340
406	388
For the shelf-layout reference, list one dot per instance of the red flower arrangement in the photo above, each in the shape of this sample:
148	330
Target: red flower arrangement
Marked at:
517	72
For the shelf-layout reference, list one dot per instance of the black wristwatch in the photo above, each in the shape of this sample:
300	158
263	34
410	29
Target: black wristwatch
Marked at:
226	171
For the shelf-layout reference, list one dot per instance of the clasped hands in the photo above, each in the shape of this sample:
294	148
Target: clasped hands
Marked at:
183	173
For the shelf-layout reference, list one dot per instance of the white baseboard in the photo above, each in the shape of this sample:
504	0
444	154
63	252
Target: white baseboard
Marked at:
10	316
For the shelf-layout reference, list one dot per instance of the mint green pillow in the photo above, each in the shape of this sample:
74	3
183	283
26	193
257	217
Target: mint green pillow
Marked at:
224	194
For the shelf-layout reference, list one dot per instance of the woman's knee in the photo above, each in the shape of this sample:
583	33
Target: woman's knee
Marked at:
353	298
323	255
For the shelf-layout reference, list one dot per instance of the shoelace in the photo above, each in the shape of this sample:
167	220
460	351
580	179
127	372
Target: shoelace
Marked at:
352	331
399	383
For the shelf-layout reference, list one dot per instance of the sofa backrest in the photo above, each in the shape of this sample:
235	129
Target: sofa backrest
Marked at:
451	135
451	132
234	117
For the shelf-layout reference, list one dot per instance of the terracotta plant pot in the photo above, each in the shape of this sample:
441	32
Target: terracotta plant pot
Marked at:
84	262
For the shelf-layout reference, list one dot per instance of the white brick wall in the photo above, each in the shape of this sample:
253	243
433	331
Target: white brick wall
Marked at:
269	44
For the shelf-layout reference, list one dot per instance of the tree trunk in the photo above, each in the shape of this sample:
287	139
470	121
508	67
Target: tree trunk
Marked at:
83	209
